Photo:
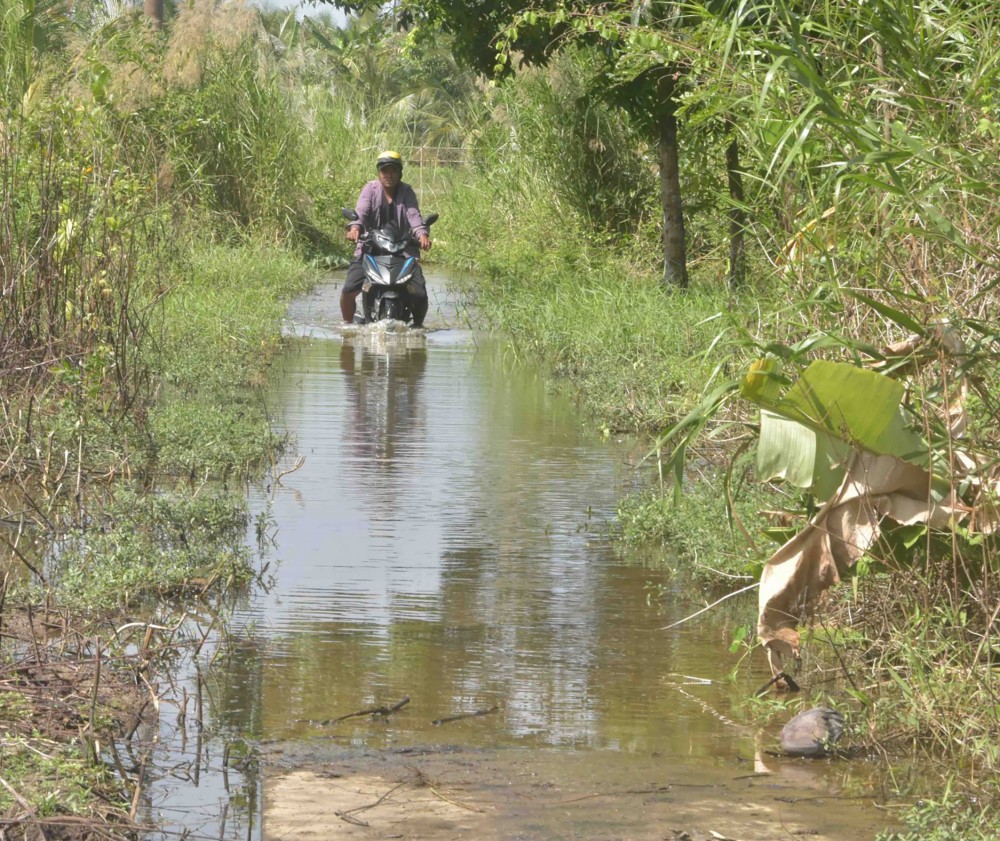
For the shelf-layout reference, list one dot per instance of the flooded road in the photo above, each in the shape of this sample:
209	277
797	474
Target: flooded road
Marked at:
442	549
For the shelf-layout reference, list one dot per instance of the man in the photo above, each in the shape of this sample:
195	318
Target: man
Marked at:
386	199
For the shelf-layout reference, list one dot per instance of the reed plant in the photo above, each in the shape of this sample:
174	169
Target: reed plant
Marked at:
110	161
71	227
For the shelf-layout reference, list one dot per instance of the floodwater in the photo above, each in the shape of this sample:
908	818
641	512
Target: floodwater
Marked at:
440	546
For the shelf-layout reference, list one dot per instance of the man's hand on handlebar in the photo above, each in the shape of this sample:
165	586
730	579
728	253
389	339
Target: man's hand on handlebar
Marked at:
353	233
425	242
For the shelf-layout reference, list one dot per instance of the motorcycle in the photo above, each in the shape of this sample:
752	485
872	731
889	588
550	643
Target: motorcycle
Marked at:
386	292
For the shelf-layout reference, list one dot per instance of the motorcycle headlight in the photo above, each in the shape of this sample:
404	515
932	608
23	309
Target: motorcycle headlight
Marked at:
406	272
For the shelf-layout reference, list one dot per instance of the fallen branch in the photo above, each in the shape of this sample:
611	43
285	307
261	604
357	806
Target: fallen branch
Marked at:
439	721
455	803
374	712
348	814
24	804
138	787
20	556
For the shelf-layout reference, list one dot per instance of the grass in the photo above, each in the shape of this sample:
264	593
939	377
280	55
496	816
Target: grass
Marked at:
220	330
950	818
698	531
54	782
640	355
144	549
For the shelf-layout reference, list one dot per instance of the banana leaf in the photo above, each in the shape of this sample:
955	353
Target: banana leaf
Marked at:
791	451
807	433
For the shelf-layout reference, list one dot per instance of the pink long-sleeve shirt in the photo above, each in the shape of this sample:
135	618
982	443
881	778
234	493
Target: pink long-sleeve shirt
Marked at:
405	206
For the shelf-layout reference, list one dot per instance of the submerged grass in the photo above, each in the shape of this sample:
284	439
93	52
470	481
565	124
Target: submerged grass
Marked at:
703	533
146	549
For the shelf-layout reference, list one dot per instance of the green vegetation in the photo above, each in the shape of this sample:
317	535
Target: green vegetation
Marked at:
219	332
696	529
57	785
163	192
152	547
952	817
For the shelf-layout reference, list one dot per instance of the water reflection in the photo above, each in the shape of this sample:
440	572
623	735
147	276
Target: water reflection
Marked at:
445	540
382	379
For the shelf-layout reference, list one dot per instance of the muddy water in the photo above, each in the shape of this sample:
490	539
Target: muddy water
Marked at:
443	547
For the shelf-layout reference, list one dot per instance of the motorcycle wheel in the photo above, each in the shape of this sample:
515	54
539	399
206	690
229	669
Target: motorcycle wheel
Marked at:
392	308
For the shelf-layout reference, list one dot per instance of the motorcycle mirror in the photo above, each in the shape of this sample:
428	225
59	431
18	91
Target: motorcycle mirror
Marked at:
349	214
430	219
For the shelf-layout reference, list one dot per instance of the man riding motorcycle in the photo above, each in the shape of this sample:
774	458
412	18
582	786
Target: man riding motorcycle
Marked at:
386	199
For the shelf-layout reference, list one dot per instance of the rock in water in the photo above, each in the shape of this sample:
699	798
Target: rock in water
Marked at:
812	733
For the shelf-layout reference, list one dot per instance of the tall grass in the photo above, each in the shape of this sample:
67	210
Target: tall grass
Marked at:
870	131
105	158
233	140
75	308
527	214
71	228
870	128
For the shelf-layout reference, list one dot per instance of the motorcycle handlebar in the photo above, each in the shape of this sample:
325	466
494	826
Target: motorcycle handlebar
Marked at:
351	216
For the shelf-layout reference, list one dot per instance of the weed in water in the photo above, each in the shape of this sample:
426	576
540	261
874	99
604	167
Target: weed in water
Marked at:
54	782
153	546
695	527
221	328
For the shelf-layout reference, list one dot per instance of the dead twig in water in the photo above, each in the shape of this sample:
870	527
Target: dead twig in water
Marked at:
374	712
439	721
20	556
787	678
710	606
298	463
137	721
709	708
656	790
138	787
97	685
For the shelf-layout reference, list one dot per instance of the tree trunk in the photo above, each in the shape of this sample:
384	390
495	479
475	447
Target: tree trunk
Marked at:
674	256
154	11
737	216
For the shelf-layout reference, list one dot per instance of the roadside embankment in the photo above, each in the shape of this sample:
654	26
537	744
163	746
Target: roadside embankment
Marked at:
116	523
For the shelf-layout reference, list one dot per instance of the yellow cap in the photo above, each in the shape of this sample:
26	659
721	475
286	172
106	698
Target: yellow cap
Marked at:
389	158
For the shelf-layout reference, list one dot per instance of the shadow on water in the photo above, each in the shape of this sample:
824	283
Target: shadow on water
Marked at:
445	541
